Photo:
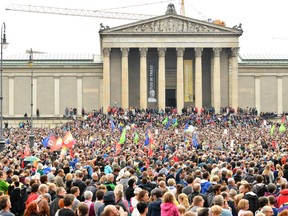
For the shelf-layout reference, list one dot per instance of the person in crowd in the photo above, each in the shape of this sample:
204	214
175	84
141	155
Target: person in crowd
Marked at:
168	207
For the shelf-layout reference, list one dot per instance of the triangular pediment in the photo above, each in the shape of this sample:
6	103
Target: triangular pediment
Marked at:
172	24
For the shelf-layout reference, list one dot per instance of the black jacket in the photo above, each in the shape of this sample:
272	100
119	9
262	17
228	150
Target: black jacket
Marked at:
154	208
17	203
253	201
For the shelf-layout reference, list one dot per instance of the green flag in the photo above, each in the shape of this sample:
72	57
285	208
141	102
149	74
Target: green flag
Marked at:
123	137
282	128
165	121
272	130
136	138
175	123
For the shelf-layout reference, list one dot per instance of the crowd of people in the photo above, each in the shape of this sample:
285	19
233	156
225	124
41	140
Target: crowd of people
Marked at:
150	162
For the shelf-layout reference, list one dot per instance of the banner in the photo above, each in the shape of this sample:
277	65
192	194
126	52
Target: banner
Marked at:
188	81
152	81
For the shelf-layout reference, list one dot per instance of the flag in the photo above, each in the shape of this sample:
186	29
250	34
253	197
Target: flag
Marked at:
274	144
63	151
146	138
112	125
186	127
45	141
167	125
27	151
282	128
272	130
194	142
118	148
123	137
68	140
283	118
175	121
150	151
57	144
164	122
136	138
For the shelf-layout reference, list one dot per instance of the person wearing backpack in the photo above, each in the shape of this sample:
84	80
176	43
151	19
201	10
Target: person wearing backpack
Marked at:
259	188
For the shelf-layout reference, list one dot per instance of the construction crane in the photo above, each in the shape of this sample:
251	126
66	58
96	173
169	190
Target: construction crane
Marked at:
82	12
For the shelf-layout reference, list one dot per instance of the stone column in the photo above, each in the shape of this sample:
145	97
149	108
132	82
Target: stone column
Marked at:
279	95
106	78
79	95
233	79
57	96
198	77
11	81
125	79
180	80
34	95
216	87
143	77
257	93
161	79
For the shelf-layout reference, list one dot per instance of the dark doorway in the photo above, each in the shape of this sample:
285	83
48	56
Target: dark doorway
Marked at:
170	98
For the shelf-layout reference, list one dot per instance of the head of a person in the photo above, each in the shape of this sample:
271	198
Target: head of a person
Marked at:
219	200
68	200
5	202
99	195
110	210
198	201
263	201
61	191
243	204
203	212
216	210
88	195
82	209
109	198
168	197
142	207
143	195
156	193
152	93
267	210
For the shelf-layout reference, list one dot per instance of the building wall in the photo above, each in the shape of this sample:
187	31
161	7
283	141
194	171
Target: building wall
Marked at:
22	96
134	77
91	93
224	75
68	93
285	93
246	91
115	76
45	95
268	94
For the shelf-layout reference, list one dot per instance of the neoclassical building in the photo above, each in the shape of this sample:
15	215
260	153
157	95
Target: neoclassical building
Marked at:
169	60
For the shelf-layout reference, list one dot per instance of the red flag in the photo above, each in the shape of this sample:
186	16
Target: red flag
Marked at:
274	144
68	140
52	140
57	145
283	118
118	148
71	153
27	151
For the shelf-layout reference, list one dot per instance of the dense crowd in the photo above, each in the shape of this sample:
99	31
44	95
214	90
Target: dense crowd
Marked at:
150	162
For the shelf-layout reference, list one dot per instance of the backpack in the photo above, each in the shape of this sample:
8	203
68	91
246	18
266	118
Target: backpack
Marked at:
260	190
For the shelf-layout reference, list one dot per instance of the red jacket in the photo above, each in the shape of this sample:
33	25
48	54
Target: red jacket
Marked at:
283	197
31	198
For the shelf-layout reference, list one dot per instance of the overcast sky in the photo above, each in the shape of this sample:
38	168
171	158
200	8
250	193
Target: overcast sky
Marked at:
264	23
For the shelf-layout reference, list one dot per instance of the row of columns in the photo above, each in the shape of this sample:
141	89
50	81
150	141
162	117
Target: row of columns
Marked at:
215	74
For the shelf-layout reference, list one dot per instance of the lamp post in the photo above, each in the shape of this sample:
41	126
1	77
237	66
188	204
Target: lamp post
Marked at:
30	63
4	45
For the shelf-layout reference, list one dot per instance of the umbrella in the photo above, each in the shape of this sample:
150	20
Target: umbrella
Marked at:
31	159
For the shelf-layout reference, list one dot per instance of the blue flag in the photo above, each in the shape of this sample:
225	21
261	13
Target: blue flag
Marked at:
194	141
112	125
146	138
45	141
167	125
186	127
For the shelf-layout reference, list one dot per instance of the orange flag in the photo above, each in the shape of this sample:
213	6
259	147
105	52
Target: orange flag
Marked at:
68	140
57	145
118	148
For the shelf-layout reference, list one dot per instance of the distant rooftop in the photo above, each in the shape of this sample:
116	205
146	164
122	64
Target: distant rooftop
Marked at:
54	57
263	56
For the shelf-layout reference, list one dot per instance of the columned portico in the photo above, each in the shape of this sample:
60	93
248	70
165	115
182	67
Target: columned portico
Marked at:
180	83
161	78
125	79
198	77
216	80
106	79
143	77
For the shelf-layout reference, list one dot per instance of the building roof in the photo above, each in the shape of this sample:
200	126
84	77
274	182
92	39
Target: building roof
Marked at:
51	56
263	56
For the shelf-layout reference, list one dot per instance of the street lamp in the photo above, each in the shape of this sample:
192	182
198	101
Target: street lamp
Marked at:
4	45
30	63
